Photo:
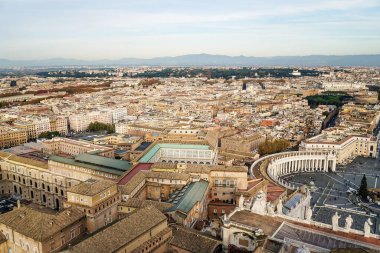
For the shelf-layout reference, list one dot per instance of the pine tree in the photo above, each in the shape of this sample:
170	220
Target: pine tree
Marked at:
363	190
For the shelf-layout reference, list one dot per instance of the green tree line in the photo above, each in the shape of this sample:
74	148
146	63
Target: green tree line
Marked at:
273	146
98	126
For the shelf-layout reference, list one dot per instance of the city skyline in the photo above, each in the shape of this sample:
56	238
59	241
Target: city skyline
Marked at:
147	29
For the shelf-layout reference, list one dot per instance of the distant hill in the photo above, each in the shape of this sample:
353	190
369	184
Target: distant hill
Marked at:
209	60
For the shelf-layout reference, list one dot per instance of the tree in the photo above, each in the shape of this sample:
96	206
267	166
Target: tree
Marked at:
325	113
98	126
48	135
274	146
363	190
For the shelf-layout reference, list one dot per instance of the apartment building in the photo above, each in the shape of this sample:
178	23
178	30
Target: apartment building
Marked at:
59	124
34	125
11	136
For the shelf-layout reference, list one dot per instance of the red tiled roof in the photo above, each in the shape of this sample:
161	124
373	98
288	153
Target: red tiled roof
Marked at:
132	172
253	183
274	192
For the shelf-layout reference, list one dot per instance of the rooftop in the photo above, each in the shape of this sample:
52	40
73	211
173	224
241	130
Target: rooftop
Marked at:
151	152
141	203
94	162
91	187
132	172
122	232
23	160
184	238
39	225
318	238
188	196
268	224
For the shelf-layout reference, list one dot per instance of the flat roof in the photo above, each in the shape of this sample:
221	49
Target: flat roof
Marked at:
158	146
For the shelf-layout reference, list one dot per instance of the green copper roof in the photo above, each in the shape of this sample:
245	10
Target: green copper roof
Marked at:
103	161
187	197
94	162
157	147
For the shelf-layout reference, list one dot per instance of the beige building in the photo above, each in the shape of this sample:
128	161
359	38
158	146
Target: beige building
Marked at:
133	204
34	126
59	124
47	183
146	230
98	199
32	180
37	231
10	136
79	122
345	147
18	98
225	181
240	143
60	145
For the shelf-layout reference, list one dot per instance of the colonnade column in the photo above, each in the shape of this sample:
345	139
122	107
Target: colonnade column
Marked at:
333	165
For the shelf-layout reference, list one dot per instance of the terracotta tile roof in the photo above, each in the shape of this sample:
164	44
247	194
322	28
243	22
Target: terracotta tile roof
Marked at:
192	241
143	246
39	225
122	232
133	183
198	168
91	187
167	175
141	203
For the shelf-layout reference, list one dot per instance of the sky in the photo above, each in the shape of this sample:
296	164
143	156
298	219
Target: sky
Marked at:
114	29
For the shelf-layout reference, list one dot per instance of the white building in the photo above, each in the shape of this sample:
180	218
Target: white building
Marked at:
119	114
346	147
342	86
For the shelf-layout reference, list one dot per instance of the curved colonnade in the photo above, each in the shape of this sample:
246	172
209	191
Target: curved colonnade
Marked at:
282	164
